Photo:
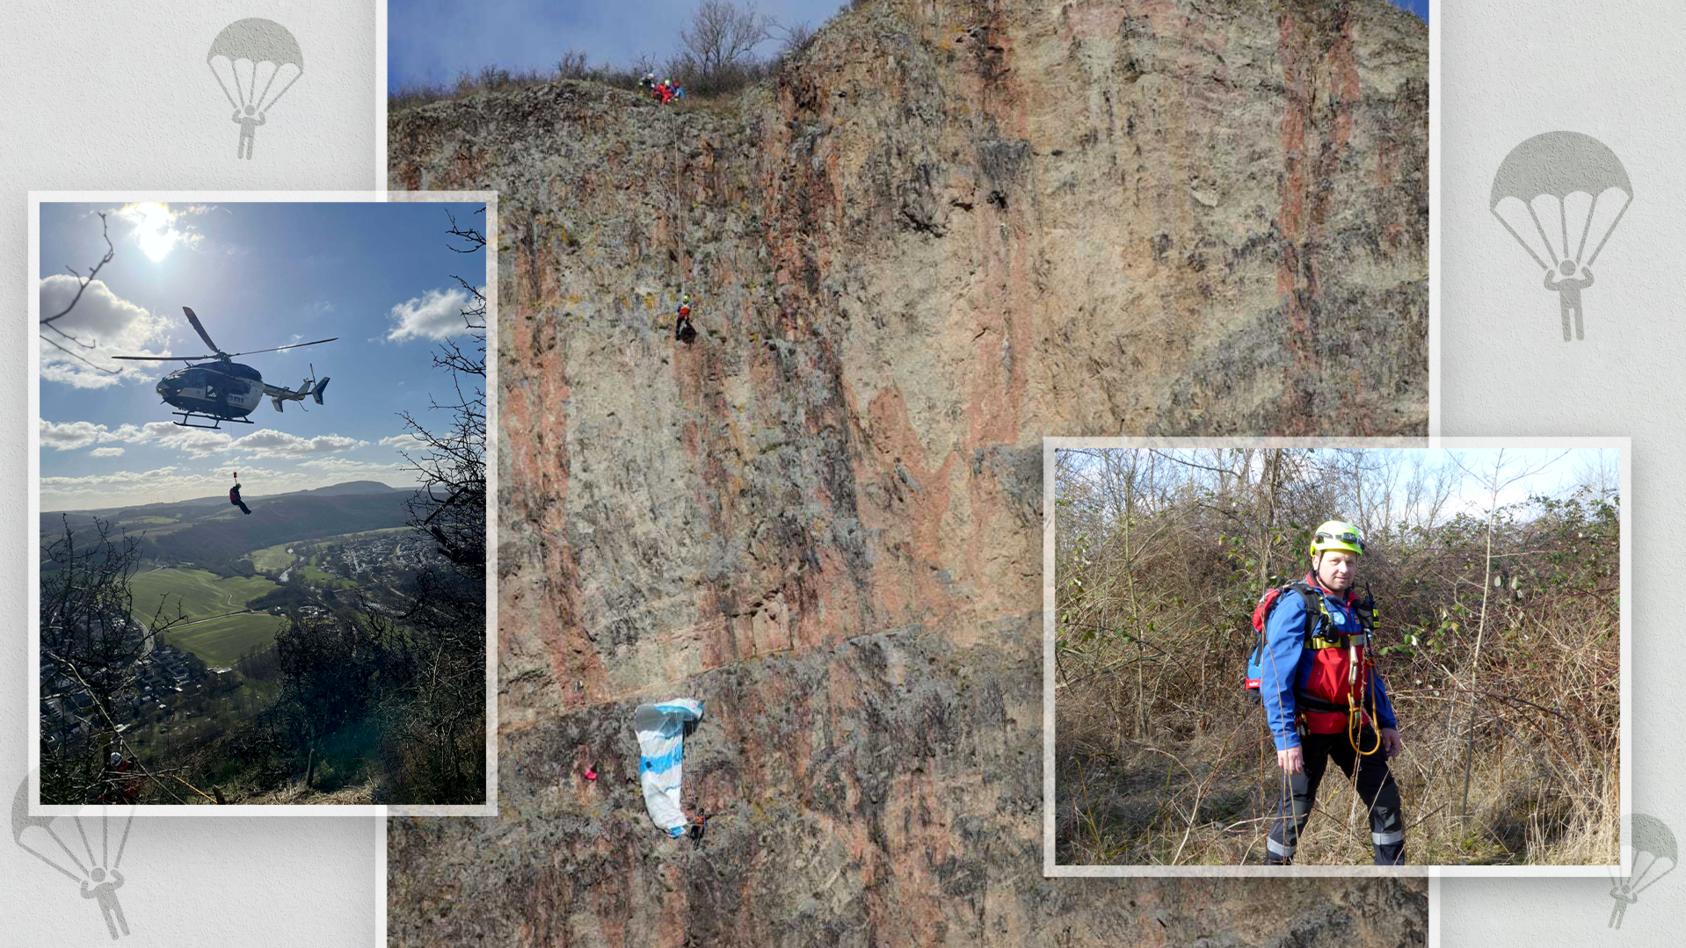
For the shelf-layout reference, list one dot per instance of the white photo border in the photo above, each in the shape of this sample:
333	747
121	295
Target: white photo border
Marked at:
32	540
1052	869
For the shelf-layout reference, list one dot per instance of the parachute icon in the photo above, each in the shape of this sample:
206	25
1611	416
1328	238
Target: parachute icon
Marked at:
99	878
1559	195
249	58
1650	839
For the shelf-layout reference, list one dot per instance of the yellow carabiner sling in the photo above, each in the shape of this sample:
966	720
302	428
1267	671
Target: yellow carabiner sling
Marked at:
1355	722
1355	695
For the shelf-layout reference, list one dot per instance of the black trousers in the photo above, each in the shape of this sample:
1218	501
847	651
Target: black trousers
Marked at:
1375	787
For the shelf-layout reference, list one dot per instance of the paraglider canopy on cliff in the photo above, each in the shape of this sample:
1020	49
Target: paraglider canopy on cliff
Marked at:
661	756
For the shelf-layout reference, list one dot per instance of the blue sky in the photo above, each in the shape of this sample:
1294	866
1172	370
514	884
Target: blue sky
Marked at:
377	275
1520	472
431	42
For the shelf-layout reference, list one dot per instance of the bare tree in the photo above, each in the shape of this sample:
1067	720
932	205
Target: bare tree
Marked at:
796	39
81	287
91	647
573	65
1495	482
436	668
722	38
451	466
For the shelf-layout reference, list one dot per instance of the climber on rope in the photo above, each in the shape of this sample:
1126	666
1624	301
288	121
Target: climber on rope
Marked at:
683	331
1323	697
234	495
119	784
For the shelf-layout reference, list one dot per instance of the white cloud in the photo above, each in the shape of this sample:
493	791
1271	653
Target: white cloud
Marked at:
72	435
126	488
110	324
113	479
352	467
194	442
107	452
270	443
403	442
436	314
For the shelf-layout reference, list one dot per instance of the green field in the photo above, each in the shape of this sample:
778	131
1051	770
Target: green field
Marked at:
217	638
372	533
201	594
272	559
219	642
311	573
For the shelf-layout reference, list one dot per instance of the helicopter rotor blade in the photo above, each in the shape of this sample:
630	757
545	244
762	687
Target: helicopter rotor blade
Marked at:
164	358
200	329
296	345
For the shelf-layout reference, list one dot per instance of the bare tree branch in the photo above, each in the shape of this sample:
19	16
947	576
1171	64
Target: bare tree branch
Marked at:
721	39
93	272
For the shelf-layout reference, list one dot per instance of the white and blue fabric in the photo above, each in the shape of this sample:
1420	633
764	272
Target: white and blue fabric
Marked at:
661	757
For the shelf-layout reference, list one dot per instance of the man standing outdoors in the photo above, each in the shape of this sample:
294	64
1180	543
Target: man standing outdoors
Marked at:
1325	700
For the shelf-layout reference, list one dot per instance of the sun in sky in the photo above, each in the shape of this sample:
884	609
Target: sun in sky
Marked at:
154	228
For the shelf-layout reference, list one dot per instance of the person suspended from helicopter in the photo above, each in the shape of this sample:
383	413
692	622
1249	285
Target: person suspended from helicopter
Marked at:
248	126
648	82
234	495
1569	288
683	331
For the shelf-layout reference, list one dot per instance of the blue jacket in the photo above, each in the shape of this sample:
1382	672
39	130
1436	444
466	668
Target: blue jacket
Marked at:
1286	654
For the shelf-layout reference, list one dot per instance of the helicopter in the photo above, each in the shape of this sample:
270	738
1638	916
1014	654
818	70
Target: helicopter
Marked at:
215	388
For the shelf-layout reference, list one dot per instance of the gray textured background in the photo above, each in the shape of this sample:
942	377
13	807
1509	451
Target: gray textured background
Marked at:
113	95
1511	69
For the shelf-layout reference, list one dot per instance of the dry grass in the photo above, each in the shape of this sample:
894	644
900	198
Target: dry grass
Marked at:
1161	759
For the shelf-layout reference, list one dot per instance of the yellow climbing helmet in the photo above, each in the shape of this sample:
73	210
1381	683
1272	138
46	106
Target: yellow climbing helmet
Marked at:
1337	535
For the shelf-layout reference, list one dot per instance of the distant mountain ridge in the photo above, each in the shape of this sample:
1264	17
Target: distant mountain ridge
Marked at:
348	487
210	533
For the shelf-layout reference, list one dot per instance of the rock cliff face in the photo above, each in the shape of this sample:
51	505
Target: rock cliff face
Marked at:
947	230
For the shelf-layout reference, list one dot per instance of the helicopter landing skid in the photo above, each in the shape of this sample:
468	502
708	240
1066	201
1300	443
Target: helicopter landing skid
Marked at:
215	422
